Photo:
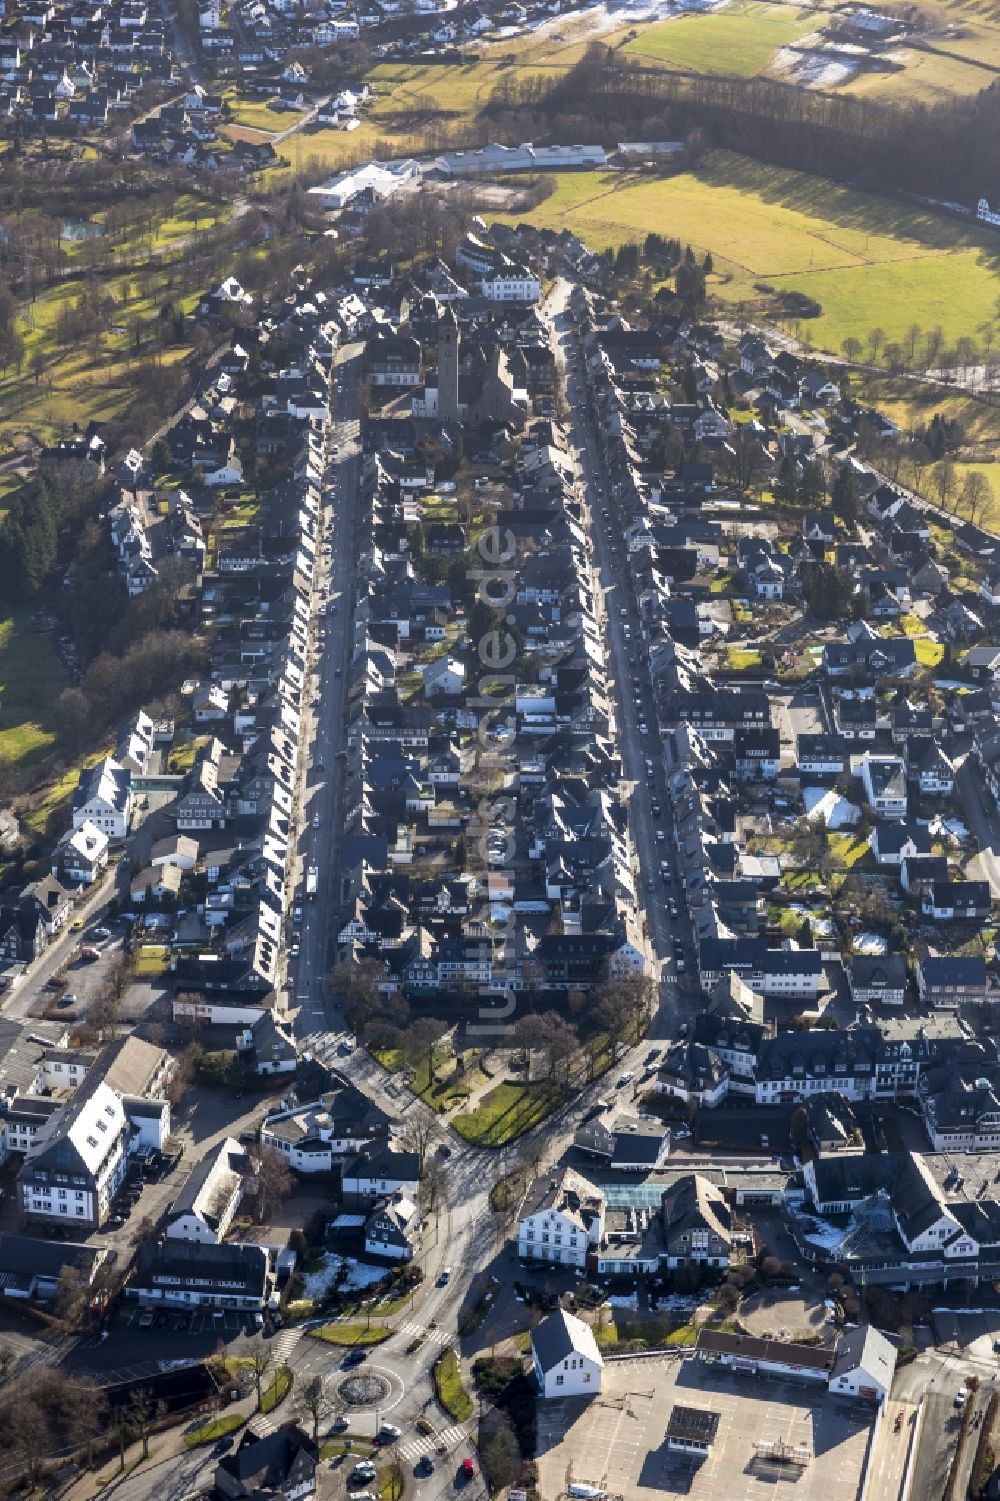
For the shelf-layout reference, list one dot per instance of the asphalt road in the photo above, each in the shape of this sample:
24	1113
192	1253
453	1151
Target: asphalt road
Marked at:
628	670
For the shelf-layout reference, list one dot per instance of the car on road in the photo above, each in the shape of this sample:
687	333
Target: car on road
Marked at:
315	820
100	933
444	1150
672	906
960	1397
445	1277
69	998
626	1078
681	1132
354	1357
390	1431
424	1466
468	1468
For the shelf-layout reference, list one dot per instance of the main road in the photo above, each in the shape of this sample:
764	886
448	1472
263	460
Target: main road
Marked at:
650	817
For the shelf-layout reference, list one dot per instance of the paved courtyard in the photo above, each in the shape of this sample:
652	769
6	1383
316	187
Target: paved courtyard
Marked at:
617	1441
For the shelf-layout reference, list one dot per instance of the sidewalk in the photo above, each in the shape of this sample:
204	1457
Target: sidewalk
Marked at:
168	1448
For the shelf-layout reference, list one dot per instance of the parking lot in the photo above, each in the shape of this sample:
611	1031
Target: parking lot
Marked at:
617	1441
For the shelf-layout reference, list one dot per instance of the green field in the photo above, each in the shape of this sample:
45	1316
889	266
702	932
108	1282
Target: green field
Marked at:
507	1112
740	40
867	260
31	679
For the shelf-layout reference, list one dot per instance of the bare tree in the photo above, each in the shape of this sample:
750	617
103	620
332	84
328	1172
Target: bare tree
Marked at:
417	1135
261	1360
274	1181
315	1404
623	1004
8	1359
26	1430
140	1415
72	1296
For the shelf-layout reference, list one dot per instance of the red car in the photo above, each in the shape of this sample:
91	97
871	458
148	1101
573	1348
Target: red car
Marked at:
468	1468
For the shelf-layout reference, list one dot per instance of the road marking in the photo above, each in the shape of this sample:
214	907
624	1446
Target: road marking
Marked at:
450	1437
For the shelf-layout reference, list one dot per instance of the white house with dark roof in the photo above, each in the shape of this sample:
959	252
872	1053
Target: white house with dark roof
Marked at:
207	1203
566	1360
561	1219
81	854
104	797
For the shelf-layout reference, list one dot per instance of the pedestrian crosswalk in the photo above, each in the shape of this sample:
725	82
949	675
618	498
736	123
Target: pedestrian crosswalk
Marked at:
410	1330
284	1343
430	1443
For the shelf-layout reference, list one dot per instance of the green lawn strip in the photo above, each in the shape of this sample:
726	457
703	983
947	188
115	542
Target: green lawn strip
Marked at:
358	1448
277	1389
211	1432
448	1385
352	1334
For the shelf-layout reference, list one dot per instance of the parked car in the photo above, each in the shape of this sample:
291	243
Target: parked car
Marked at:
445	1277
626	1078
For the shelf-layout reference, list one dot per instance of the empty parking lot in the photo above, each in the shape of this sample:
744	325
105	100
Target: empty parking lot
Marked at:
617	1441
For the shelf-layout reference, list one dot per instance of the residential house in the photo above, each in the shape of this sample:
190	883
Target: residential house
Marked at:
277	1466
561	1219
697	1223
951	981
207	1203
565	1357
103	797
392	1229
201	1274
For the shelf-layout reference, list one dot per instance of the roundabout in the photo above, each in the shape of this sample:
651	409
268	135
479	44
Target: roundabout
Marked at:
364	1389
375	1389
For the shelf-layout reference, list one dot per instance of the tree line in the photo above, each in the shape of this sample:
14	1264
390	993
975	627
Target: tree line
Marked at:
949	149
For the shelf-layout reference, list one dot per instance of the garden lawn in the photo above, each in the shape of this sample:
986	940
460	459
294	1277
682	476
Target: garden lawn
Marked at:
929	653
740	40
31	679
508	1111
153	959
850	849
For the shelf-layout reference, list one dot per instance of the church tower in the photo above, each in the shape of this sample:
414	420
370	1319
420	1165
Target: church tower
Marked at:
448	347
